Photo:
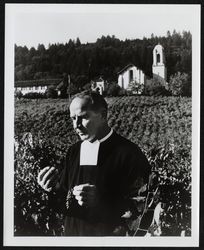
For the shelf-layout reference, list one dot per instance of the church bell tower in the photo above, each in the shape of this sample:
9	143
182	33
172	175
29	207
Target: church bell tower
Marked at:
158	67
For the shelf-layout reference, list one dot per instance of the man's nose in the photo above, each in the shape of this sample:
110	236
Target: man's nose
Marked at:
77	123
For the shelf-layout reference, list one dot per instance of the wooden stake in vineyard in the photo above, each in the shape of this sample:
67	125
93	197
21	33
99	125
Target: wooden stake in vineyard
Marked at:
68	81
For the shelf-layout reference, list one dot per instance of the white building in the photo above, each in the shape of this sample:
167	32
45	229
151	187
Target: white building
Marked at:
98	85
130	74
33	89
158	67
34	86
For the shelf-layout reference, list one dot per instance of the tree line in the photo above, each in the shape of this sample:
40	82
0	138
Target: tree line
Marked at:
106	57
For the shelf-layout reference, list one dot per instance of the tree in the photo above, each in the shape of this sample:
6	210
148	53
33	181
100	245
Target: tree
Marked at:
113	89
18	94
73	89
168	34
41	49
51	92
80	81
187	88
78	42
180	84
87	86
155	87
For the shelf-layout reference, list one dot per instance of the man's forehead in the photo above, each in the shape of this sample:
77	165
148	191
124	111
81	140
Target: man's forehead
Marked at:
79	104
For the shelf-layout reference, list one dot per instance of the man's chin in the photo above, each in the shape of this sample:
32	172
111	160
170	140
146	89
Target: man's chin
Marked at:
83	137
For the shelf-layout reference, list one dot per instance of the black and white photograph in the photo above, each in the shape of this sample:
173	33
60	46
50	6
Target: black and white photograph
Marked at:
102	123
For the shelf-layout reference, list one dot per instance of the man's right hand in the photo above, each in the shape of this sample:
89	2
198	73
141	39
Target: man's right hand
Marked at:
48	178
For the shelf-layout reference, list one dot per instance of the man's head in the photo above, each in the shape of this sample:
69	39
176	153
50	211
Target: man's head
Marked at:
88	112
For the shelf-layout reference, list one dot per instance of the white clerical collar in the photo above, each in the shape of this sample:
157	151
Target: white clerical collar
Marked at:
107	136
89	151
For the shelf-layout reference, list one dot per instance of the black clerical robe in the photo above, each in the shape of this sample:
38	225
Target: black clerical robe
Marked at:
122	172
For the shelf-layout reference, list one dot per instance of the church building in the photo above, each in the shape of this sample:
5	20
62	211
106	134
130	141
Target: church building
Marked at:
131	75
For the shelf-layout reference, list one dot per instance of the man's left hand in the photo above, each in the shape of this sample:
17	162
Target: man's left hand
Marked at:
86	195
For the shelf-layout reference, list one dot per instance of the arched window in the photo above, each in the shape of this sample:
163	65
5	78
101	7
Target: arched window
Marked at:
158	58
131	75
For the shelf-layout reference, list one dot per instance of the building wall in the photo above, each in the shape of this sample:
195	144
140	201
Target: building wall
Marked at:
121	81
100	85
124	78
33	89
139	76
158	67
160	70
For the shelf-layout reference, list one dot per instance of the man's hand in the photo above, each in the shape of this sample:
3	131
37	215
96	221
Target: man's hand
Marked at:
47	178
86	195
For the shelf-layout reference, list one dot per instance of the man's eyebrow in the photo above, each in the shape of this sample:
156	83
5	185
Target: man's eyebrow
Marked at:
83	114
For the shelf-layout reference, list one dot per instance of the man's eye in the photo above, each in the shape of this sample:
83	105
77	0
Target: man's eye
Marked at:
85	116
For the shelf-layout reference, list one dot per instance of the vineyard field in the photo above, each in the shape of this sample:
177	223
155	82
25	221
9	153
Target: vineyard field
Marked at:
161	126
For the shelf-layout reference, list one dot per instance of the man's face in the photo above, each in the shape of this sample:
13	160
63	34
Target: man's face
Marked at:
86	122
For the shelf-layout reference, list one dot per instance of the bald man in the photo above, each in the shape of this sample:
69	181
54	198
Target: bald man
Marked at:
102	173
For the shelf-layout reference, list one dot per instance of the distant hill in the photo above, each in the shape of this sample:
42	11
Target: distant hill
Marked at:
106	57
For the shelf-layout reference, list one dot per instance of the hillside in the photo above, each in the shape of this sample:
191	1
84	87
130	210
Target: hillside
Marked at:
106	57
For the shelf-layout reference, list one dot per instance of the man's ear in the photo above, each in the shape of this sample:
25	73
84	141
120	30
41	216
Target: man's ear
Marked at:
104	114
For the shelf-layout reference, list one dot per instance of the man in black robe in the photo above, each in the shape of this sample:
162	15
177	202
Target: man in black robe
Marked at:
105	178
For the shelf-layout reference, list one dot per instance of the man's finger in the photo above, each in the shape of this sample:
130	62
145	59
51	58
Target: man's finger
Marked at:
81	203
52	180
81	186
42	173
84	187
81	198
79	192
48	175
89	188
48	189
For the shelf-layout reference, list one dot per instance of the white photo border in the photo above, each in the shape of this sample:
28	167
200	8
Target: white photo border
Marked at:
8	235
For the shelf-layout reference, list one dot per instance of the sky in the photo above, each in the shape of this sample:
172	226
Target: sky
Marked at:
57	23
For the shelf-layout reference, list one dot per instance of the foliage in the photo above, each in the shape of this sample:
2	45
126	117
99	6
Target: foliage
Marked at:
155	87
18	94
135	87
160	126
34	95
51	92
73	89
174	171
113	90
80	81
87	86
180	84
31	208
